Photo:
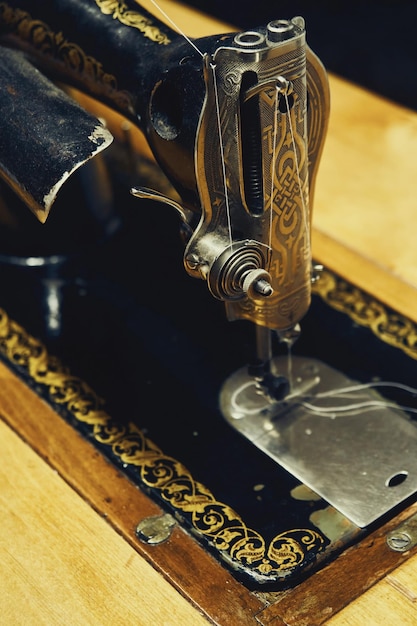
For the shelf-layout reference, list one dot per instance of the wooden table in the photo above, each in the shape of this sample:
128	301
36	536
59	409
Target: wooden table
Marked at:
70	555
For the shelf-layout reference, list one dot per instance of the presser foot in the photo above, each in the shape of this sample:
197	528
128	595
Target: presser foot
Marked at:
343	440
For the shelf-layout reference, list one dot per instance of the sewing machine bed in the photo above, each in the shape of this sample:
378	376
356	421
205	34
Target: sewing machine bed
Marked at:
142	352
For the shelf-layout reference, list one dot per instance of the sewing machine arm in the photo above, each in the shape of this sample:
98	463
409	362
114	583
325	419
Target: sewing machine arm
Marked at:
218	113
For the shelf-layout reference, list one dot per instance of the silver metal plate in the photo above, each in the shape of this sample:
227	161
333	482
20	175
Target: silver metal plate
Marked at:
362	462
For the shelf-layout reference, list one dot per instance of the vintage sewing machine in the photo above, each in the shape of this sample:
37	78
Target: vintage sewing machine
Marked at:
236	124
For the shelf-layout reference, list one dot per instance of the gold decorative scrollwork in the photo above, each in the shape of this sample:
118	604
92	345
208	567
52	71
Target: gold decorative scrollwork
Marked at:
119	11
72	58
215	521
388	326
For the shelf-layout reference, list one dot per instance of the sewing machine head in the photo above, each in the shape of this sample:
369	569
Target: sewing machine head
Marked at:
251	166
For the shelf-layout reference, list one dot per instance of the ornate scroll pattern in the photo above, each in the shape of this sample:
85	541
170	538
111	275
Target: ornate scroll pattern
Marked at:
214	521
38	35
290	222
290	232
119	11
388	326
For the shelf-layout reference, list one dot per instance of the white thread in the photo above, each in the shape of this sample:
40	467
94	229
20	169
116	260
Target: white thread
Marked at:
219	126
355	407
177	28
361	386
352	408
239	409
274	150
289	359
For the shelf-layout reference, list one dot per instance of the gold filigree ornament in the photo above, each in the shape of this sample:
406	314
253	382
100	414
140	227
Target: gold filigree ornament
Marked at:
214	521
119	11
69	55
390	327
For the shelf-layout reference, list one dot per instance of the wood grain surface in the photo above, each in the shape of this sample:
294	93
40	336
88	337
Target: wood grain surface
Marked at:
61	562
365	206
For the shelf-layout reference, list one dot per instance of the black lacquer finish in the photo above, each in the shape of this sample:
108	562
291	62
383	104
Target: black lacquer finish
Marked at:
45	135
122	55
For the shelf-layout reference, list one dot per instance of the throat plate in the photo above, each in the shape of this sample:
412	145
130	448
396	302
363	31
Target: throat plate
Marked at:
361	461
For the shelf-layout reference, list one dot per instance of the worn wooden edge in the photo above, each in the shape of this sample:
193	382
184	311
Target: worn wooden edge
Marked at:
338	584
181	560
365	274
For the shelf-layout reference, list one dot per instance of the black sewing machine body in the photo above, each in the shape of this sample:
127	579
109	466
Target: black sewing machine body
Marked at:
102	284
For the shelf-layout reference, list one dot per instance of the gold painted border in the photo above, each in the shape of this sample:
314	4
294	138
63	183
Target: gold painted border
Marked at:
54	46
389	326
119	11
242	547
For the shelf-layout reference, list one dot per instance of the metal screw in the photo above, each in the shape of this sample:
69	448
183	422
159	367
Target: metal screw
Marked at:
399	541
280	30
317	270
192	261
157	529
263	287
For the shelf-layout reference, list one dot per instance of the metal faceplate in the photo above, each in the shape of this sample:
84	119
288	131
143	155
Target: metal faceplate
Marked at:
252	174
362	462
